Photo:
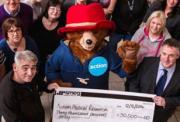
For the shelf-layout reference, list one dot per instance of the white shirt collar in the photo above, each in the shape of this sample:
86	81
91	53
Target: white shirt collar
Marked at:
12	14
171	69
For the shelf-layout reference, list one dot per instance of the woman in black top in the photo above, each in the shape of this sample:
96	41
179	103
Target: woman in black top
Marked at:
127	15
44	31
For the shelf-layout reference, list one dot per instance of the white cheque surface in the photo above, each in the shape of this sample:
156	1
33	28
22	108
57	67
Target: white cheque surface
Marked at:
92	105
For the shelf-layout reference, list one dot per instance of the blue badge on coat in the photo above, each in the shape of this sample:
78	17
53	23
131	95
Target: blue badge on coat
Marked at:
98	66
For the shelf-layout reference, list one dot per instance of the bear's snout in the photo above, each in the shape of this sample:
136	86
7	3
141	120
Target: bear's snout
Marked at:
89	41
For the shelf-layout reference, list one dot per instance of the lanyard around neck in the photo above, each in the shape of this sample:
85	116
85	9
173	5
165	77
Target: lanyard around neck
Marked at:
131	4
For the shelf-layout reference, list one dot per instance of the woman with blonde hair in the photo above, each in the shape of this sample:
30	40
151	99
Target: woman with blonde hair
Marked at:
151	35
171	10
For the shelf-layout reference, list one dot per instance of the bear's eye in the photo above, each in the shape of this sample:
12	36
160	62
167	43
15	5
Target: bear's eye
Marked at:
80	32
95	32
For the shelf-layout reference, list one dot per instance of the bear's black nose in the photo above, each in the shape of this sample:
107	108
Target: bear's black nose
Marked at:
89	41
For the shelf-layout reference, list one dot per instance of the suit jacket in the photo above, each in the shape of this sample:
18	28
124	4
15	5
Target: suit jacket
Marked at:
143	80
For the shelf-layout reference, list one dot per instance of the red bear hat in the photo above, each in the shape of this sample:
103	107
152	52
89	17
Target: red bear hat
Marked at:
86	17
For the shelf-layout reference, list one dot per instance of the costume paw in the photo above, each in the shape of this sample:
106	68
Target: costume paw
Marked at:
128	50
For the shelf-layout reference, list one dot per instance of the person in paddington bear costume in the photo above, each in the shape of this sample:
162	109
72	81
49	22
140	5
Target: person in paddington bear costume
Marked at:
87	58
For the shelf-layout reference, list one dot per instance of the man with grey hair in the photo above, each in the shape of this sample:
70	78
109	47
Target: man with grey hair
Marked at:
19	90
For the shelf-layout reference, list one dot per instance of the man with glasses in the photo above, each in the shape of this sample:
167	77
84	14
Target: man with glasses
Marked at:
15	40
13	8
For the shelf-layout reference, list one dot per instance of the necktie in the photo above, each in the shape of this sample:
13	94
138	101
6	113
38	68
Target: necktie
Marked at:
161	83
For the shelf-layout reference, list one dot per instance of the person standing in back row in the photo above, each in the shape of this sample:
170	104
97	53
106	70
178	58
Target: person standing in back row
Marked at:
15	40
172	12
44	31
21	11
127	15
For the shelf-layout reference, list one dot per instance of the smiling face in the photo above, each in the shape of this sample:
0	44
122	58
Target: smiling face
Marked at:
169	55
156	23
172	3
54	12
24	71
155	26
12	5
14	35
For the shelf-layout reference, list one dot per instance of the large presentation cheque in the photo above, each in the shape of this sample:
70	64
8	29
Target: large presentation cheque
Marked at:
92	105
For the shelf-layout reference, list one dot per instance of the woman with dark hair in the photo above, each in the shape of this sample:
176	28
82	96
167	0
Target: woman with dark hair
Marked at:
44	31
15	40
172	13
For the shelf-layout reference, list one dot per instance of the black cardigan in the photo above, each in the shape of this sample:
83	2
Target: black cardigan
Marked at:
127	21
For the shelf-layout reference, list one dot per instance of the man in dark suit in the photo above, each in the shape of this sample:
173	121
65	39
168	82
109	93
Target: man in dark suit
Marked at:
148	77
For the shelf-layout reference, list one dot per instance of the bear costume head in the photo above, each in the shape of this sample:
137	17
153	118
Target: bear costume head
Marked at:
86	27
86	59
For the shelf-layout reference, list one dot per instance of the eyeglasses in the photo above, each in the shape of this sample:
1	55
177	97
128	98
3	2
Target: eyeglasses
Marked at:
55	9
17	31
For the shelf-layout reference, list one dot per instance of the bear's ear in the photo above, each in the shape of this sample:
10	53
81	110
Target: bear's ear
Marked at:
73	35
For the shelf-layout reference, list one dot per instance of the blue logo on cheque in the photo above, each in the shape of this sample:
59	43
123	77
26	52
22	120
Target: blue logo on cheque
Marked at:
98	66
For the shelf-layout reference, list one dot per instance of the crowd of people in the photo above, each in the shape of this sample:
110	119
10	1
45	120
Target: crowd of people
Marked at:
28	38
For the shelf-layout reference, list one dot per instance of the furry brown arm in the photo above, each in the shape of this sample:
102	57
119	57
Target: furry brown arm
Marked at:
128	50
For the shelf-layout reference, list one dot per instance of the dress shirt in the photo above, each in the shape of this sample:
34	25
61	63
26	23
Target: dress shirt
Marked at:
12	14
169	74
